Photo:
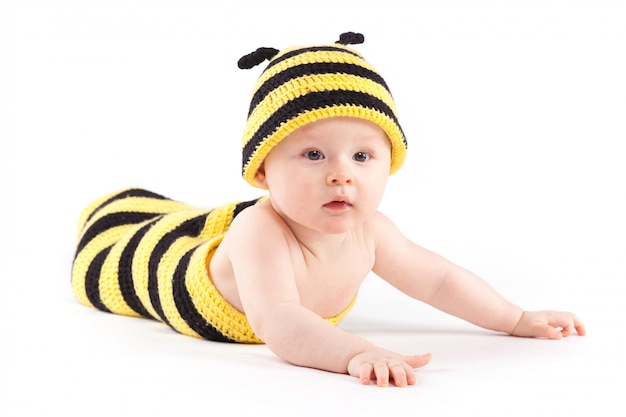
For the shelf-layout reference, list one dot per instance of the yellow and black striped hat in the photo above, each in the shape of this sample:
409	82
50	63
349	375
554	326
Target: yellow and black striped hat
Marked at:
302	84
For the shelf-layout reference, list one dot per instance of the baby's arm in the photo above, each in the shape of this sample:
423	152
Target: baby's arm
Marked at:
429	277
302	338
267	288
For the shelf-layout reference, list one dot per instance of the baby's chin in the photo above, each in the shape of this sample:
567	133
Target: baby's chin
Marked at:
337	228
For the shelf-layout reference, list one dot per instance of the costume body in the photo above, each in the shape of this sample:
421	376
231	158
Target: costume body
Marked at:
144	255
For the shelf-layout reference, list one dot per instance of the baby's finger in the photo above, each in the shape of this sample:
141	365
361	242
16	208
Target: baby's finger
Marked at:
580	327
365	373
401	374
382	374
571	324
568	329
546	330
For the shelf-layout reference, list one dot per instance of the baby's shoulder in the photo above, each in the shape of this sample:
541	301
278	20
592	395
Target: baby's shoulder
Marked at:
382	228
253	213
254	232
256	221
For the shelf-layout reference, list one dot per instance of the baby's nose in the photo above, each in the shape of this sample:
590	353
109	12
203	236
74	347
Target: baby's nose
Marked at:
340	177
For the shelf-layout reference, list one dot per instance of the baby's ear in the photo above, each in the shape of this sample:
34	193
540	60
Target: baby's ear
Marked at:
260	180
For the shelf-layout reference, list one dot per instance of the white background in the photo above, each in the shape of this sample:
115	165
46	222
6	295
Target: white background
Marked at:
515	116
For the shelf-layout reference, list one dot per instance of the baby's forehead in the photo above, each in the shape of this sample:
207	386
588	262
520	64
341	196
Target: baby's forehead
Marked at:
341	123
340	129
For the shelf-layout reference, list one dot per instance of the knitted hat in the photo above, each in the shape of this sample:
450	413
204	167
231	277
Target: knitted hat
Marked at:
302	84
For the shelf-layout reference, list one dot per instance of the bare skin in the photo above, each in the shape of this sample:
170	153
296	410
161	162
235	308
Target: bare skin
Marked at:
301	255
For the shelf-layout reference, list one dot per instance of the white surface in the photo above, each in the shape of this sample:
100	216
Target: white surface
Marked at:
514	112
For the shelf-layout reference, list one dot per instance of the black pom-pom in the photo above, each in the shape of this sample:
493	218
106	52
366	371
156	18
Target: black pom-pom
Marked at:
350	38
255	58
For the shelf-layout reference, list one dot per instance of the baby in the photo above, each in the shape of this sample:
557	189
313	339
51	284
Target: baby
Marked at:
322	137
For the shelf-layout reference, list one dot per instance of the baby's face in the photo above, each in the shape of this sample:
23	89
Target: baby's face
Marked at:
329	175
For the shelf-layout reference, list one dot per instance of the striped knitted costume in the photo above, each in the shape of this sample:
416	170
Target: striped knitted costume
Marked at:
141	254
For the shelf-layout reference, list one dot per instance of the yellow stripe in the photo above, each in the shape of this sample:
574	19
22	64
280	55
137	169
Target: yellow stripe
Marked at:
166	270
109	286
336	319
219	220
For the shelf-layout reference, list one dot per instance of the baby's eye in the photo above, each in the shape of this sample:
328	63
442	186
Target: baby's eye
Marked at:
361	156
314	155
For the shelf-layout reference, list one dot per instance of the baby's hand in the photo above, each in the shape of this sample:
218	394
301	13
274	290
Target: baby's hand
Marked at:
549	324
382	366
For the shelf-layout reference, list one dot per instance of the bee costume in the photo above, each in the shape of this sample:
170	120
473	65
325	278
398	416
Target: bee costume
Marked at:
141	254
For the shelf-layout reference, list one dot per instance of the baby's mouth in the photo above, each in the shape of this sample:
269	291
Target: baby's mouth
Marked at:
338	205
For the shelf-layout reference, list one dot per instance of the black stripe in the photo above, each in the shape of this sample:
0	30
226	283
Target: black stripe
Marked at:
309	49
186	308
312	101
192	227
309	69
92	279
125	271
112	220
131	192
